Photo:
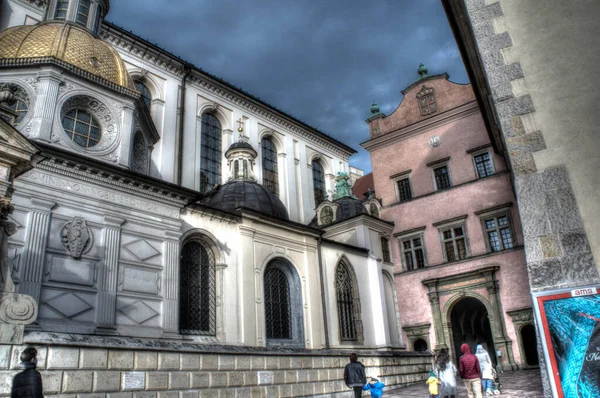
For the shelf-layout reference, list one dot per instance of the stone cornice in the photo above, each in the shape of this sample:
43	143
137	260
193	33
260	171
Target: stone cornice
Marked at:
422	126
366	220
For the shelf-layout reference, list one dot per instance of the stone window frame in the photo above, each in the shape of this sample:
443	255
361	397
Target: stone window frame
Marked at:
495	212
451	224
418	332
481	152
410	235
436	165
396	178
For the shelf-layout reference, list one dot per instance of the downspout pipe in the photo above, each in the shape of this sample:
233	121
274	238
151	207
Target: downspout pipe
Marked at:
325	323
188	72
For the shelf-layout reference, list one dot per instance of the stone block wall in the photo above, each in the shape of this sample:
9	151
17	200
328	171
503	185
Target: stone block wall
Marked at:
82	372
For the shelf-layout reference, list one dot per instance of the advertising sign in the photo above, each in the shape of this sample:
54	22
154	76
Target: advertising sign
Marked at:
570	334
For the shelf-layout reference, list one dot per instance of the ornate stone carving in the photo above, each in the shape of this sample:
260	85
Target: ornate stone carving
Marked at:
426	99
17	309
76	237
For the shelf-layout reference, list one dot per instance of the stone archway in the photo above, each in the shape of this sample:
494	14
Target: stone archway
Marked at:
470	325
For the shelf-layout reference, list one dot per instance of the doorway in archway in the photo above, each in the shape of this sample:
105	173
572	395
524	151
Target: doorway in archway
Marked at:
529	341
471	325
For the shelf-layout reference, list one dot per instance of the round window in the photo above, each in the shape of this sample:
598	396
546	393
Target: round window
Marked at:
82	127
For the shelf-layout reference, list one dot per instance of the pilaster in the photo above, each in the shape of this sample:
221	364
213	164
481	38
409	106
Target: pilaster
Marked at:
440	341
501	342
220	307
34	253
126	135
107	280
45	105
170	313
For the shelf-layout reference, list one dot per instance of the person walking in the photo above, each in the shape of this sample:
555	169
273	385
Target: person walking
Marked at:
470	372
433	384
375	387
485	364
354	375
446	372
28	383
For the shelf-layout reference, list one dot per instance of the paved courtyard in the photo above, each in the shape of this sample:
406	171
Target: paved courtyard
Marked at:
521	384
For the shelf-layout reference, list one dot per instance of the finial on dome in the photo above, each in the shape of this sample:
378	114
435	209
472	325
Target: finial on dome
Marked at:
374	108
343	187
422	71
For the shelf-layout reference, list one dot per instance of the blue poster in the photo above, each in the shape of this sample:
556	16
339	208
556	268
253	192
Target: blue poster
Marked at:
574	328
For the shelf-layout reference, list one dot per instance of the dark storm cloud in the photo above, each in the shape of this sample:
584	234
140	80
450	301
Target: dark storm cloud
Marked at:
322	61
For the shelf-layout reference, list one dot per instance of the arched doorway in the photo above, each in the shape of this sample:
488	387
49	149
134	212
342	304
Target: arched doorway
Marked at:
529	341
471	325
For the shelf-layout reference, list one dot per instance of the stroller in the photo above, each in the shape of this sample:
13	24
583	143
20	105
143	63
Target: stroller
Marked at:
496	385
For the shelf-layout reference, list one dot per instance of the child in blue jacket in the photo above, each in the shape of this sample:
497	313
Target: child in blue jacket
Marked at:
375	386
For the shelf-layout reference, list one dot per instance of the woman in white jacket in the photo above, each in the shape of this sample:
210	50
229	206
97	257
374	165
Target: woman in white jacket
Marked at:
485	364
446	373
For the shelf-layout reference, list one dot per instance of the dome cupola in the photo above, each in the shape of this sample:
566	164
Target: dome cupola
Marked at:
241	189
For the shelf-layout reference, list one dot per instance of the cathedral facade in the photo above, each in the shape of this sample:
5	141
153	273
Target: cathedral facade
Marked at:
178	232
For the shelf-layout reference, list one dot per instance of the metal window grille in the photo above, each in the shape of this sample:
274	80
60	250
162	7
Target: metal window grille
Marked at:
326	215
269	164
145	92
374	210
210	152
413	253
498	232
483	163
345	303
83	11
454	244
278	317
318	182
385	250
404	191
61	9
442	178
197	289
82	127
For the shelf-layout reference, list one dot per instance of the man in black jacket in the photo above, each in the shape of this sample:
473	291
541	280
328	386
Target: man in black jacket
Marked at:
28	383
354	375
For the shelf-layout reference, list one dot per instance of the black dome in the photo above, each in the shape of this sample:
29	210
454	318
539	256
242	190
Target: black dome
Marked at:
349	207
235	194
240	145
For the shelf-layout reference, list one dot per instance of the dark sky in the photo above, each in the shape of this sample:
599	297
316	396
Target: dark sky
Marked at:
322	61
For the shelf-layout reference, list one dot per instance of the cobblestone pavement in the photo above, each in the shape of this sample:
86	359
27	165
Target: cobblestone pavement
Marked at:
520	384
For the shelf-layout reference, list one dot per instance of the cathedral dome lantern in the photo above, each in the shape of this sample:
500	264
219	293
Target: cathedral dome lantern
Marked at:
86	13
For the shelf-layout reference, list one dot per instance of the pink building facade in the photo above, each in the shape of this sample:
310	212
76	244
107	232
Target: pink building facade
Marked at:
457	245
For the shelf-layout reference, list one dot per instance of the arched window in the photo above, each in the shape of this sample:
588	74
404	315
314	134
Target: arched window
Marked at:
420	345
277	305
83	11
374	210
345	303
82	127
210	152
145	92
197	289
140	154
318	182
326	215
269	164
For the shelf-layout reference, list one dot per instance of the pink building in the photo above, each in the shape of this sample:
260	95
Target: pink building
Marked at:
457	245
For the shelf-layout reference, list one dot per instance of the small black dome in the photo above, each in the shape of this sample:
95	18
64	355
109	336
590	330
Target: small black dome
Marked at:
235	194
349	207
240	145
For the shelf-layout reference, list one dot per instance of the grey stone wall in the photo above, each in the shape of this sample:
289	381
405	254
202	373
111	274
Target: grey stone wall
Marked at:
90	372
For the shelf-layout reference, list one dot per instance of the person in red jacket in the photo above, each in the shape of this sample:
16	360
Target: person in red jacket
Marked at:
470	372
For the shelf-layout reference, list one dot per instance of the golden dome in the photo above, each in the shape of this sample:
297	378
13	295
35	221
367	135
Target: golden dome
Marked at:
66	42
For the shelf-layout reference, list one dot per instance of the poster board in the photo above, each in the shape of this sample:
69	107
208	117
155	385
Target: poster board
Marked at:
569	322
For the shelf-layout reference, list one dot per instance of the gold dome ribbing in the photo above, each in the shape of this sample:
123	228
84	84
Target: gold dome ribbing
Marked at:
69	43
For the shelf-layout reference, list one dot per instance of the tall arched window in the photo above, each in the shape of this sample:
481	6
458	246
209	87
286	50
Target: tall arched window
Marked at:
140	154
344	291
146	94
210	152
318	182
269	164
197	289
277	305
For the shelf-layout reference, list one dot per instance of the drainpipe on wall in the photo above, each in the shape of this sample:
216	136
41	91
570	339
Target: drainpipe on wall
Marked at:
188	72
323	294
